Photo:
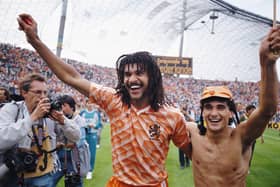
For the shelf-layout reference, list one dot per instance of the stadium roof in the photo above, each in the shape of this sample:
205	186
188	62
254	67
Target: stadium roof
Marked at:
222	39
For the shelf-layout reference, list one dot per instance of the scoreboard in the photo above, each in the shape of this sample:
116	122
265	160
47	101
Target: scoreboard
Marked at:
173	65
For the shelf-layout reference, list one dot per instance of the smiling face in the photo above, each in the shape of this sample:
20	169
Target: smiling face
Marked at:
136	82
216	114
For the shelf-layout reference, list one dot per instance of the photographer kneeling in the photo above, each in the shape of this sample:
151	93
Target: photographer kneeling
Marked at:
28	137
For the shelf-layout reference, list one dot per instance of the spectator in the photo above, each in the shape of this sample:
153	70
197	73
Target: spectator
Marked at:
4	96
92	119
184	160
248	111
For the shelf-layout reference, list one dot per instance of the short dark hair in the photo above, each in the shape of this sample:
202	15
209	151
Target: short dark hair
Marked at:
250	107
231	105
144	61
69	100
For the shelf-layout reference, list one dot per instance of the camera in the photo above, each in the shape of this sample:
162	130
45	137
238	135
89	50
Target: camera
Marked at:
72	179
21	161
55	104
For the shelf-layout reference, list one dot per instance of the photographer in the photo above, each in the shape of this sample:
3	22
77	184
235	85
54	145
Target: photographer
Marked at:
4	96
74	157
28	138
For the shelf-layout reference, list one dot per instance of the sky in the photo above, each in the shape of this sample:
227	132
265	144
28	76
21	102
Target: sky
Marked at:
96	42
261	7
114	44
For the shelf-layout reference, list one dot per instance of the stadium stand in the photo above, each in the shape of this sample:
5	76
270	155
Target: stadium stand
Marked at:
15	62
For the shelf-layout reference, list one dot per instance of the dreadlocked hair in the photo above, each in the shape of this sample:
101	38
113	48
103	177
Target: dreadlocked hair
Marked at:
146	62
201	126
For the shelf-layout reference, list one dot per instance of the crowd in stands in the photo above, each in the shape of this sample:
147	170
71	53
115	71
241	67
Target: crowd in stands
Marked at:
15	62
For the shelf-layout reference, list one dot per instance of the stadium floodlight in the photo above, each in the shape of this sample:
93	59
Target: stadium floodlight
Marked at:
213	17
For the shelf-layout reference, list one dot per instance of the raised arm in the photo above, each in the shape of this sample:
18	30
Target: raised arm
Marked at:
268	97
63	71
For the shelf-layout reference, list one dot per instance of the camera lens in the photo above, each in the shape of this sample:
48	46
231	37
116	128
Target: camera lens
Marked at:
28	159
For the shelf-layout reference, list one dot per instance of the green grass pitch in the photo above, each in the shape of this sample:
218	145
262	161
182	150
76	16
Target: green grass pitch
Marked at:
264	171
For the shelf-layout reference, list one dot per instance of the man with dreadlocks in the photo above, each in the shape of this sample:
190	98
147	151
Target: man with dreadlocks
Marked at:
221	154
142	125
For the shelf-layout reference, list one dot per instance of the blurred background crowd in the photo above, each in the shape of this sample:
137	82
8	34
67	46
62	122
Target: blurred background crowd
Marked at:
15	62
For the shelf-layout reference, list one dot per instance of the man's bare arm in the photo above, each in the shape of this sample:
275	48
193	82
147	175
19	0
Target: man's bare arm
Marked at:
268	97
191	128
63	71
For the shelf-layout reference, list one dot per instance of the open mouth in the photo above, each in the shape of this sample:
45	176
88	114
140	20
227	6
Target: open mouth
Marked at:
135	86
214	120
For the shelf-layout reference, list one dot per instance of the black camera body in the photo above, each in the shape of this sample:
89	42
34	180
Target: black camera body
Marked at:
55	104
72	179
21	161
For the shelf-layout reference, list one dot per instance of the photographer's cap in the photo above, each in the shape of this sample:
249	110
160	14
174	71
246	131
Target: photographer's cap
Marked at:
216	91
